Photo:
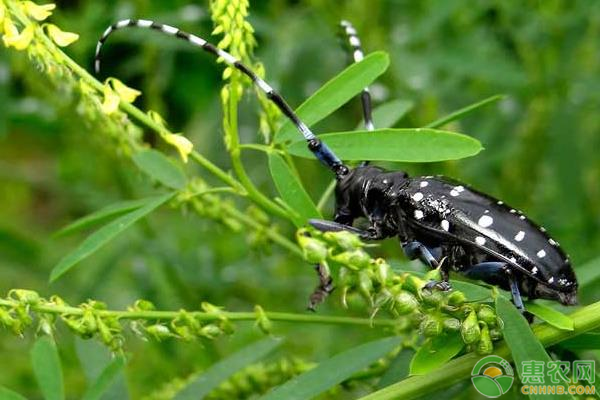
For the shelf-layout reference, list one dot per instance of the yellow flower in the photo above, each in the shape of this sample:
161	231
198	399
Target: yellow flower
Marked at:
60	37
181	143
111	100
39	12
12	37
125	93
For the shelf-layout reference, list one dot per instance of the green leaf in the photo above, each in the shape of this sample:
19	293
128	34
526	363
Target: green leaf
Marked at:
550	315
586	341
388	114
588	273
435	352
336	92
104	235
524	346
398	369
222	370
463	112
102	215
47	369
106	378
161	168
406	145
333	371
7	394
291	190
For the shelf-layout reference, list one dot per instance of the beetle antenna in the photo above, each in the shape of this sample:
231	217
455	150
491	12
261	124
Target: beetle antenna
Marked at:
357	54
315	145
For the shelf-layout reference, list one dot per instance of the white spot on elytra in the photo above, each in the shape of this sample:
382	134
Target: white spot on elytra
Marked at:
551	279
541	254
542	229
485	221
419	214
424	184
486	212
454	193
385	181
513	259
534	270
520	236
522	217
512	211
417	196
459	188
553	242
480	240
500	202
445	225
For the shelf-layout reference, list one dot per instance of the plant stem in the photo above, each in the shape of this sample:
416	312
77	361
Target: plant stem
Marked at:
49	308
584	319
233	145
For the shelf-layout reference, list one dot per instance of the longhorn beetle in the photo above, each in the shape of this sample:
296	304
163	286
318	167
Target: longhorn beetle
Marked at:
440	221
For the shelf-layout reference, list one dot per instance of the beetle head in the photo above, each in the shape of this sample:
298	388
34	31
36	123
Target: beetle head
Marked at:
567	296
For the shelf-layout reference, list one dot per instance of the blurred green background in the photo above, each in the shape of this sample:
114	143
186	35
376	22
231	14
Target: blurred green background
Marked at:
541	145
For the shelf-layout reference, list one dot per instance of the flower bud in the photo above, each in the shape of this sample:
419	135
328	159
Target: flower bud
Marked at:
469	330
28	297
456	298
405	303
431	327
485	345
413	284
487	315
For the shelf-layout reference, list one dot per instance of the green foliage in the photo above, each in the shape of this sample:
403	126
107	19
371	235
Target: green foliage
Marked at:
72	147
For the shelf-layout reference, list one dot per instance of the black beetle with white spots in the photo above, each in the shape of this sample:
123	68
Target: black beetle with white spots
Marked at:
444	223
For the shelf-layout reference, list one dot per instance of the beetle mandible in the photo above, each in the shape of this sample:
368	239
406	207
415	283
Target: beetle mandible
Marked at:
440	221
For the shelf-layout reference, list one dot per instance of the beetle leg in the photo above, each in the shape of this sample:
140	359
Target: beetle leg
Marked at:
494	269
323	289
332	226
414	250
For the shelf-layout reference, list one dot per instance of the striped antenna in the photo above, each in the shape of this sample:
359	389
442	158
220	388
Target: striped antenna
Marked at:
358	55
315	145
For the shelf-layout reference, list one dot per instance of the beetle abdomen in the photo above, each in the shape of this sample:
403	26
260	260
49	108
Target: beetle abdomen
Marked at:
457	213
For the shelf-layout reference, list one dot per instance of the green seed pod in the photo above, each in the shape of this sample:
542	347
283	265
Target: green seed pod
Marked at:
143	305
382	298
469	330
495	334
5	318
158	331
314	250
262	321
451	325
413	284
344	239
432	298
365	285
433	275
211	331
485	345
357	259
405	303
431	327
105	333
487	315
383	271
456	298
